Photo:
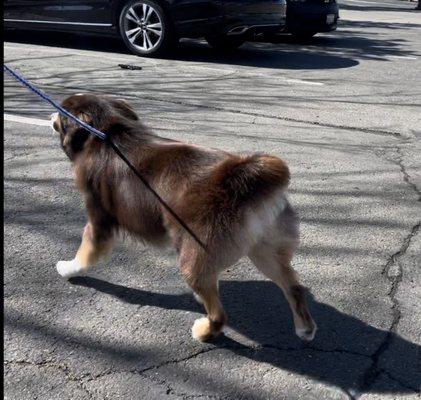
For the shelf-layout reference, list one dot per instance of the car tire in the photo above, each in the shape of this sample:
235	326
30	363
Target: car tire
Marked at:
225	43
146	29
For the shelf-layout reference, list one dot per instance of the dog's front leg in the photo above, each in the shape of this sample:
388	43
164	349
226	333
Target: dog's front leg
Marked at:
95	243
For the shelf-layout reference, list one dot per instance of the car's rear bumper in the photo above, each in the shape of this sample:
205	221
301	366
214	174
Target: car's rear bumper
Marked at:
316	17
237	17
245	25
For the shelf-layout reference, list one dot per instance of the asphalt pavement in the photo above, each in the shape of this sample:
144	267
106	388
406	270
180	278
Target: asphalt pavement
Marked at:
342	110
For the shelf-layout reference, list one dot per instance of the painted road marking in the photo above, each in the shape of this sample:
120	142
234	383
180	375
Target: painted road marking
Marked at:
26	120
303	82
404	57
376	3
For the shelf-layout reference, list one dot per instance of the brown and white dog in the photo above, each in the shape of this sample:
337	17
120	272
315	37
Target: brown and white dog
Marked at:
235	204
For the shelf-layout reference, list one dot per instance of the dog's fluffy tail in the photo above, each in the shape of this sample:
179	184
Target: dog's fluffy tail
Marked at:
244	191
243	180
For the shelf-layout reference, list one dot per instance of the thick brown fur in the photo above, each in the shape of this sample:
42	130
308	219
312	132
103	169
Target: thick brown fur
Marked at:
235	204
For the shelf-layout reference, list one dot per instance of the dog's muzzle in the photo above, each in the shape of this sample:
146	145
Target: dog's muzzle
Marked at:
53	121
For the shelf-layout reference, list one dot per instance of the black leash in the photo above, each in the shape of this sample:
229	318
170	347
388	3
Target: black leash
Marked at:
157	196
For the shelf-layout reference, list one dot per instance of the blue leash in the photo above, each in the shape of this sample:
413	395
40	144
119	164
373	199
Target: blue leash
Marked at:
57	106
102	136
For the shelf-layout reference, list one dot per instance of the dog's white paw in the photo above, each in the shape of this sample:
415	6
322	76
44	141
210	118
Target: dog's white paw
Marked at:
202	329
70	269
197	298
306	334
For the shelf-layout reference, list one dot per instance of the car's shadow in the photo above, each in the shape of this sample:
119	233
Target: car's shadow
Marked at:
343	48
258	54
344	354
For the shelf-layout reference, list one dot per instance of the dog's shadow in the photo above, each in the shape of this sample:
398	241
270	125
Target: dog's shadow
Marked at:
344	354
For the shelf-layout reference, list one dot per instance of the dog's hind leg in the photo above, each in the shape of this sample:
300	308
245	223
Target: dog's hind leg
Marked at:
275	263
203	280
207	328
96	242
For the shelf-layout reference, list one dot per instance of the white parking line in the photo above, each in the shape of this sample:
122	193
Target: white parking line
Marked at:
26	120
242	74
404	57
371	2
303	82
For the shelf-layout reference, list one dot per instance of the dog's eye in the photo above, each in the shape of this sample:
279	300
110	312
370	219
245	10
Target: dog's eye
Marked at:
63	124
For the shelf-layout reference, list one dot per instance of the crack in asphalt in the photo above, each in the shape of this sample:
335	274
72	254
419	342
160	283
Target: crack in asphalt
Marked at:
239	347
246	348
49	364
176	361
169	389
62	367
374	371
142	372
406	176
88	377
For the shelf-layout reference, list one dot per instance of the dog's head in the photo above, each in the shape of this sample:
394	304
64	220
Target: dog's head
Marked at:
101	112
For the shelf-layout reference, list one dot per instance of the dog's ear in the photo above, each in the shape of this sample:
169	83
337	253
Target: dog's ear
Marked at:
124	109
71	129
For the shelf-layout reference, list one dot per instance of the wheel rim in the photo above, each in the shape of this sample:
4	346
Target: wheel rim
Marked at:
142	26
